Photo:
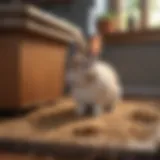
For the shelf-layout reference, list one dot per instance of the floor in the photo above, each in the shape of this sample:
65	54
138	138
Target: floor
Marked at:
134	121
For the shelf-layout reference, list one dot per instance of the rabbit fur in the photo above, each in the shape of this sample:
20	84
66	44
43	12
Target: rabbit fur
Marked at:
95	83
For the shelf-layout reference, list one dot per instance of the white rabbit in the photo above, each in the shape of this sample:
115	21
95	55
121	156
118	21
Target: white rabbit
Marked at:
93	83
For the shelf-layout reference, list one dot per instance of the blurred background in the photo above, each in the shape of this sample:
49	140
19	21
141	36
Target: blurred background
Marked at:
146	13
132	46
34	48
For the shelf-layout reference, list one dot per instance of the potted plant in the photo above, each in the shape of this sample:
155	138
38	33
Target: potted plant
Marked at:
106	23
132	13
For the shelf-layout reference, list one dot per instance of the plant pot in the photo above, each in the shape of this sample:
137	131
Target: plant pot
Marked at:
106	26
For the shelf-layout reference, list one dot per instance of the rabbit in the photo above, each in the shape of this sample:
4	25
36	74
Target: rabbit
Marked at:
94	84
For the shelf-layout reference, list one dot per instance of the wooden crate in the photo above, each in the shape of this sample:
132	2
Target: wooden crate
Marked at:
33	49
32	69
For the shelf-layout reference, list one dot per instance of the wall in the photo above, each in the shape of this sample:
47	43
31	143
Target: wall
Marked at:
76	12
138	66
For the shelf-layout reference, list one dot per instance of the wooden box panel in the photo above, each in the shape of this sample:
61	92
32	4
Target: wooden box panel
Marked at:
42	69
32	70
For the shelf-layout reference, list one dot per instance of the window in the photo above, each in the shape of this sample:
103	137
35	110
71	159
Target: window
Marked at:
131	8
146	13
154	14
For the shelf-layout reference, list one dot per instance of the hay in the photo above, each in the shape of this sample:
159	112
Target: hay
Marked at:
89	130
145	116
59	124
141	133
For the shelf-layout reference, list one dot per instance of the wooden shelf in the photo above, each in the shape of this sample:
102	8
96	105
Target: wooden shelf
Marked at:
137	37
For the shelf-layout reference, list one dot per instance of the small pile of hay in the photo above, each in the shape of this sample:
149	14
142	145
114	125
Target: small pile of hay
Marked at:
87	131
145	116
141	133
